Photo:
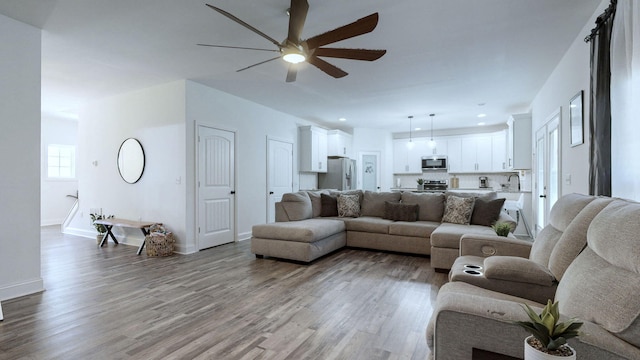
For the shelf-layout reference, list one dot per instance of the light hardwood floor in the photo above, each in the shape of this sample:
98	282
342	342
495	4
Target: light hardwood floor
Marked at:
221	303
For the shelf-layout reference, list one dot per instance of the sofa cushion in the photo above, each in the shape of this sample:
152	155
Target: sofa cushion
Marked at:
360	193
486	212
458	210
316	201
602	284
415	229
368	224
513	268
309	230
431	206
400	212
373	202
348	206
329	205
448	235
297	205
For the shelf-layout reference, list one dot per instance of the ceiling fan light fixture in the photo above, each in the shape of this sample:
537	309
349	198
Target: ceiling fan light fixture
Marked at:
293	56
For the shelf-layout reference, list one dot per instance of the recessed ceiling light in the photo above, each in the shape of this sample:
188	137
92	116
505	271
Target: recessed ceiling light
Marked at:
416	129
342	119
481	124
482	115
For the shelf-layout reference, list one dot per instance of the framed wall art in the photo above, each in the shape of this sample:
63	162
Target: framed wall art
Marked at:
576	118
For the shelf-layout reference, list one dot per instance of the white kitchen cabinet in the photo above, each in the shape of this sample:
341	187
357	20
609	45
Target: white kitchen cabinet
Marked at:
519	142
313	149
408	159
499	151
454	154
476	154
339	143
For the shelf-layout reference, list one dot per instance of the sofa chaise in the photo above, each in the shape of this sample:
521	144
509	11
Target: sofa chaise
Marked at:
310	224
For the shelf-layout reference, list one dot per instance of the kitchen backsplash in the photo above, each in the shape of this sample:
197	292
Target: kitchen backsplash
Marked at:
470	181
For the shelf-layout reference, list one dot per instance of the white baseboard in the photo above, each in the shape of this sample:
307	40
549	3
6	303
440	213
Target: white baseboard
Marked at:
22	289
49	222
80	232
244	236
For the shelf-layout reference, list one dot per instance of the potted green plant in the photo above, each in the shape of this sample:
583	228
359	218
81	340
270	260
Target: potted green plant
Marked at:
101	229
501	228
549	336
420	182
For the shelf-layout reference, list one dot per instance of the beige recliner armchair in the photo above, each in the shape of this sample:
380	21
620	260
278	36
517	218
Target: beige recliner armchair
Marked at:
532	275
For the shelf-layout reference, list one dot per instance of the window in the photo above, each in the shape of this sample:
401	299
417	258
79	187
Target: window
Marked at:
61	162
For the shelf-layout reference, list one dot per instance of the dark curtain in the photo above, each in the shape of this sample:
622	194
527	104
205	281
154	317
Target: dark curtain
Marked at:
600	105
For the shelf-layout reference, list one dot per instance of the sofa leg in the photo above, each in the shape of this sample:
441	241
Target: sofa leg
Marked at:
258	256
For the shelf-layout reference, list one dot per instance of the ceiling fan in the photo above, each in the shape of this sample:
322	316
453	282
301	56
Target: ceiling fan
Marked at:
295	50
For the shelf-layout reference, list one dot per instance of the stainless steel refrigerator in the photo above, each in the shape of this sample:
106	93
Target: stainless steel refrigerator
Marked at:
340	175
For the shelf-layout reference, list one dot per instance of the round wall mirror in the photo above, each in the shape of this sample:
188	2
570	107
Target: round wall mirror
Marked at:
131	160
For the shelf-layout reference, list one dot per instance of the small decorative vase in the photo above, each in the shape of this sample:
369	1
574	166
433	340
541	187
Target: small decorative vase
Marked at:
531	353
99	238
420	186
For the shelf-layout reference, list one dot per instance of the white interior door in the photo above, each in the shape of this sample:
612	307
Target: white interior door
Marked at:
279	173
216	187
547	177
370	173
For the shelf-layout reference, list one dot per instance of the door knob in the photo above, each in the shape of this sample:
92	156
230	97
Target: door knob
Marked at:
270	192
543	196
232	192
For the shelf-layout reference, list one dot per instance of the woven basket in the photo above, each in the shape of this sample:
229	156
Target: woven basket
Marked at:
160	244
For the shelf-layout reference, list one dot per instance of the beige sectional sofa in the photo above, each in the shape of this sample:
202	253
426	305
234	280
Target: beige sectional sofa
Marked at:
302	233
587	258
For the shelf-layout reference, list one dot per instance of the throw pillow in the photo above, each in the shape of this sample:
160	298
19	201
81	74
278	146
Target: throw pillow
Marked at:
316	202
458	210
329	205
486	212
348	206
400	212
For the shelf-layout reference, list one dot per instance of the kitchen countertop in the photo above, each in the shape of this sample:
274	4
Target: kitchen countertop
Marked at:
415	189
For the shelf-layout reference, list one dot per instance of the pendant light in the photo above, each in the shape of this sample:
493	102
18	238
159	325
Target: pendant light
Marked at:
432	143
410	144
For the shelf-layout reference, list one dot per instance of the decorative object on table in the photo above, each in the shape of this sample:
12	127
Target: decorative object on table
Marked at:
576	118
160	242
549	336
420	184
501	228
101	229
454	182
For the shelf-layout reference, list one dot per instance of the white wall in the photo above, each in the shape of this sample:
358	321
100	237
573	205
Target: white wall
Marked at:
19	159
154	116
252	124
55	204
374	140
570	76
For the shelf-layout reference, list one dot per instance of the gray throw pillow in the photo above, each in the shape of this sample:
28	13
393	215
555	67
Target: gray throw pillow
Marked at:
329	205
486	212
400	212
458	210
348	206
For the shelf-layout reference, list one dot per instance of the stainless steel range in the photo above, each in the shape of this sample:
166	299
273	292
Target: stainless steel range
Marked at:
435	185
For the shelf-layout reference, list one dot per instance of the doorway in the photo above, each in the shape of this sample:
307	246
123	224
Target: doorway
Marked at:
548	169
216	187
279	173
370	173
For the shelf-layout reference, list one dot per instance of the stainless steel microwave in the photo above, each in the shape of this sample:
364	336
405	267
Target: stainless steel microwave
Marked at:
435	162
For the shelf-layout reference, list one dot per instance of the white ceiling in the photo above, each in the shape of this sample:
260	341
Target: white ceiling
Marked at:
443	57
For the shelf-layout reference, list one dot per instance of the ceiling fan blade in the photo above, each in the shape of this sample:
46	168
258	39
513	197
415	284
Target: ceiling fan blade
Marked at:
238	47
260	63
292	73
358	27
297	17
234	18
353	54
326	67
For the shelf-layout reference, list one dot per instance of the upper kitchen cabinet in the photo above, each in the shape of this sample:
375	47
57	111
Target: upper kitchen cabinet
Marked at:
339	143
499	151
476	154
407	156
313	149
519	142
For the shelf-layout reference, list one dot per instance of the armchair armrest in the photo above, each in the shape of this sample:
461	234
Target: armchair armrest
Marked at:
490	245
517	269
